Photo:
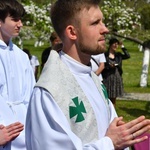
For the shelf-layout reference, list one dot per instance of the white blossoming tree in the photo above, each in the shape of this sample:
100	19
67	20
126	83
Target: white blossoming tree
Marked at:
37	24
118	17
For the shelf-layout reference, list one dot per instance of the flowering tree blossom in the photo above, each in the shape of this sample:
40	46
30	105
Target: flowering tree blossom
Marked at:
37	23
118	17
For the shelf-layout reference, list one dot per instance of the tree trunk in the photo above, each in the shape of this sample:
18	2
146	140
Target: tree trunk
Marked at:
144	75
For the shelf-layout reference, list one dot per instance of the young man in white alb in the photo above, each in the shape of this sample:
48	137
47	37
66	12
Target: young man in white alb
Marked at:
69	109
16	78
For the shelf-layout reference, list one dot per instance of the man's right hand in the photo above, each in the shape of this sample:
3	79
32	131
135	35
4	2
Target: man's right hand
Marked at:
123	134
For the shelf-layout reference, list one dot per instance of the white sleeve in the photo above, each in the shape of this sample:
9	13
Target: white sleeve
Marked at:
102	58
47	127
29	82
36	61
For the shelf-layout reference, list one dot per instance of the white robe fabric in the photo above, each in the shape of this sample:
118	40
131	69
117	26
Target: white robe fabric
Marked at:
34	62
16	85
47	127
100	58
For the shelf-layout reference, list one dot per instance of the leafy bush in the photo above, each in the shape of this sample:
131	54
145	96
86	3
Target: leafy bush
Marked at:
145	16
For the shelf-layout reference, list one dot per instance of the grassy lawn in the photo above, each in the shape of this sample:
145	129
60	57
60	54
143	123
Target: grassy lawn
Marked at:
131	109
131	76
132	70
37	51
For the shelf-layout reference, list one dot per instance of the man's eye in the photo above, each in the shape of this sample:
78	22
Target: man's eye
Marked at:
95	23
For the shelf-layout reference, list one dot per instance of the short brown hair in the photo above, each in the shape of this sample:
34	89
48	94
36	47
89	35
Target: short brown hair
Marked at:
64	12
12	8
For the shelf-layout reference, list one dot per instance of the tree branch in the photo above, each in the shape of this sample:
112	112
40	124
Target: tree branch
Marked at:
128	38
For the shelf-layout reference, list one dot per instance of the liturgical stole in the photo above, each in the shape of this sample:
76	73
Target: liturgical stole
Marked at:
57	79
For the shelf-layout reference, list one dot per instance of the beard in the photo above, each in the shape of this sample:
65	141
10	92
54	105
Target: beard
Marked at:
88	49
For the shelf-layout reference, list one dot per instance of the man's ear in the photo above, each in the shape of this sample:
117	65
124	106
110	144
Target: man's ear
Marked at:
71	32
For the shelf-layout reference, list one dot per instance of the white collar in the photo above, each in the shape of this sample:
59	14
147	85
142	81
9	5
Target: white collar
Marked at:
4	46
75	66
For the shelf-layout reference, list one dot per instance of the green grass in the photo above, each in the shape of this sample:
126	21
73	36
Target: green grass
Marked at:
132	69
37	51
131	109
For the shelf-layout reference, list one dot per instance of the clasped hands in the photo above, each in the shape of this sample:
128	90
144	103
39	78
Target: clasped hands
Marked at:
124	134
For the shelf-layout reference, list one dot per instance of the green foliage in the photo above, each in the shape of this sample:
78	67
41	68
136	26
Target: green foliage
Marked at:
142	35
135	3
145	16
44	1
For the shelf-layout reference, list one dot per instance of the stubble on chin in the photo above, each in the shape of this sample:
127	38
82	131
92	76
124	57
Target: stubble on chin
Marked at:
93	51
88	49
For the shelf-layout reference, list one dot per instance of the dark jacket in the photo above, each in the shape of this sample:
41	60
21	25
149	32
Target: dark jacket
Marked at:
116	63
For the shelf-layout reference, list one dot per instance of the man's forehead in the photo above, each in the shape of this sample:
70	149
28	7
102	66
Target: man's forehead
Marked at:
92	12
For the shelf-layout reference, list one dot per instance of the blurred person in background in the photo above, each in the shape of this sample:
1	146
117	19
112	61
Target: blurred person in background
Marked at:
112	73
34	62
98	64
56	44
